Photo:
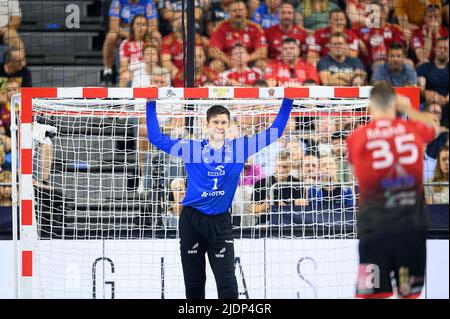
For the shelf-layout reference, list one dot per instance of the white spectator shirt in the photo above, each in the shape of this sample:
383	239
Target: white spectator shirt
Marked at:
8	9
141	78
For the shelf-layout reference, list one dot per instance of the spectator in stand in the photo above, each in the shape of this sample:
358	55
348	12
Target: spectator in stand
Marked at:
172	46
340	153
11	88
296	150
10	16
285	29
432	149
169	7
217	13
237	30
316	13
176	196
267	14
310	166
336	68
283	195
395	71
160	77
5	188
411	13
240	73
433	75
439	194
357	13
335	201
121	14
291	70
12	67
423	39
379	36
141	75
319	43
203	73
131	49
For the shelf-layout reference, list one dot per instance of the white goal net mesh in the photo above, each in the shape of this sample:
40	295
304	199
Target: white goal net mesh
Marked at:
106	202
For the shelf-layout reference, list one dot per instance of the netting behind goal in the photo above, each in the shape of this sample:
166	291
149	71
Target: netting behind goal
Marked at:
102	221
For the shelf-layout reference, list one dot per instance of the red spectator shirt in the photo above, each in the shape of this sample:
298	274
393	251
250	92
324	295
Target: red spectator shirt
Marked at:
418	35
387	159
378	41
282	73
275	38
132	50
225	36
172	45
207	75
248	77
319	42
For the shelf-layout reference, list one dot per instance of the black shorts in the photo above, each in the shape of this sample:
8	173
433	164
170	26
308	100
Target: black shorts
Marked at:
401	252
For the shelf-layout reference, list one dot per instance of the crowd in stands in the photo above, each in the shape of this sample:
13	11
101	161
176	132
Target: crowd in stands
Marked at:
14	74
291	44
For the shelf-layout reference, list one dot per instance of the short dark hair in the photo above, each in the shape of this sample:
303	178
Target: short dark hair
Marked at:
337	10
309	82
285	2
217	110
290	40
260	84
440	39
238	45
397	46
382	94
338	35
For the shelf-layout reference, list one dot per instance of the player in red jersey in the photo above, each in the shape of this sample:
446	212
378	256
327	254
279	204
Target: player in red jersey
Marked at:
286	29
240	73
233	31
387	159
291	70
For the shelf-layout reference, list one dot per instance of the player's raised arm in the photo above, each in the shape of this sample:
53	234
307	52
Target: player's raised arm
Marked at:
404	106
257	142
160	140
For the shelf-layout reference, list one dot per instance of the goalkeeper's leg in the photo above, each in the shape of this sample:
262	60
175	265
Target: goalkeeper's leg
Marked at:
193	249
221	257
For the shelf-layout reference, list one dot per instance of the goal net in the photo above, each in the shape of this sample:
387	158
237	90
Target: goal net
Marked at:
99	205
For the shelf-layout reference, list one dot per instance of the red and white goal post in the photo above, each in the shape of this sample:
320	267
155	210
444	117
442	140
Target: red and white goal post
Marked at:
61	258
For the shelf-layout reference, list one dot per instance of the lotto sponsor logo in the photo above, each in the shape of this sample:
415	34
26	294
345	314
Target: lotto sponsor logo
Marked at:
213	194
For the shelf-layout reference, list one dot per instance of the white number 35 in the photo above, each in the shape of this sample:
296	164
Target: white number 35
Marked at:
383	157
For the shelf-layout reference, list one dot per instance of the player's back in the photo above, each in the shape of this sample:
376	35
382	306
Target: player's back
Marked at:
387	158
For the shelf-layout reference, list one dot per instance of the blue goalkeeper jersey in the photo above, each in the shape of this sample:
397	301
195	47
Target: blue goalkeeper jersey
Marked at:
213	174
